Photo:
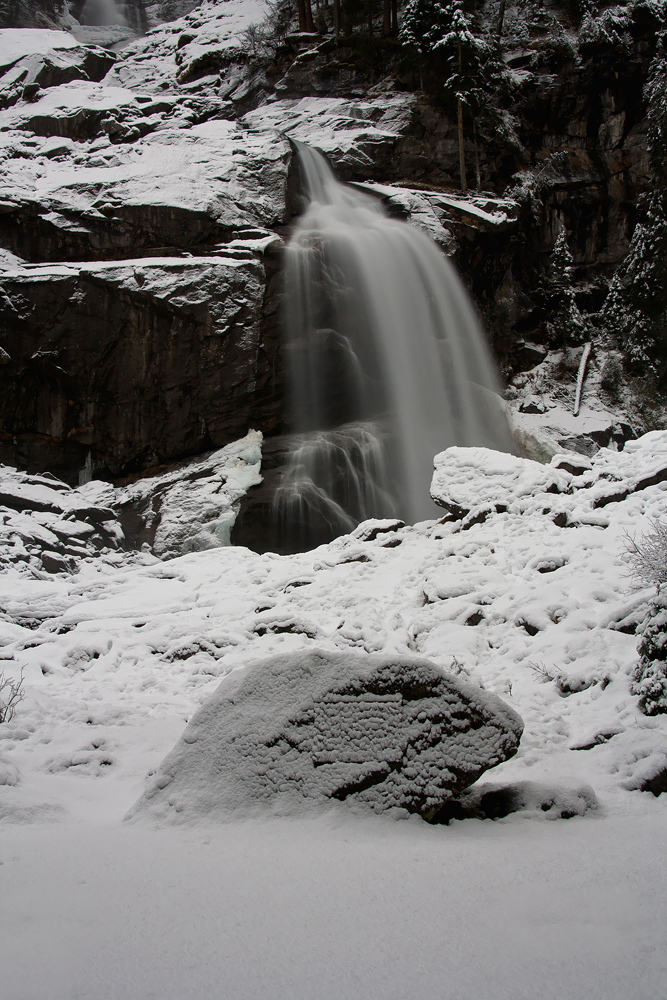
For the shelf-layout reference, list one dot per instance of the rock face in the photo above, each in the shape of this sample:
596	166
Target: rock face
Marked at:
304	728
138	362
176	147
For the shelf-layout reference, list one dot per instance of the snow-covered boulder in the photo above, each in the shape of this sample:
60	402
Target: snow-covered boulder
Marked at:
47	527
301	729
190	507
31	59
469	478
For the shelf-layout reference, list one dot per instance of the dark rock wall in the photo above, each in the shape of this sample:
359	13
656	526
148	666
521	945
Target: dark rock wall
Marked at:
139	363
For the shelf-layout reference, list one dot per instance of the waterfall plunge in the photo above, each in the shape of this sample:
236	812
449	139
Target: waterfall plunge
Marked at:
387	364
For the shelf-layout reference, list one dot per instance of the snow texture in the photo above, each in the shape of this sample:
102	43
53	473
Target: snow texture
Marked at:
352	133
47	527
387	732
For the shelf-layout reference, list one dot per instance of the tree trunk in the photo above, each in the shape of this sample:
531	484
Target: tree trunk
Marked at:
386	18
305	15
501	18
336	18
394	17
478	177
462	153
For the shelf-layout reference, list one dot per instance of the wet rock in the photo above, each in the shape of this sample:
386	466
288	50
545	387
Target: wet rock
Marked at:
303	729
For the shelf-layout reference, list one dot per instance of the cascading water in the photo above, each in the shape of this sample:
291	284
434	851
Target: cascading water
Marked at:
387	364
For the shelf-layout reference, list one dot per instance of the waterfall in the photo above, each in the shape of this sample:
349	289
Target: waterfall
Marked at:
101	12
386	360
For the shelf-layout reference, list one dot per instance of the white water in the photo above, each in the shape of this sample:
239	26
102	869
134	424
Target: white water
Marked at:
387	361
101	13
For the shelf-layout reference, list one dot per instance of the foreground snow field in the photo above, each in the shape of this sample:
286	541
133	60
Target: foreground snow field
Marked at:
337	908
525	589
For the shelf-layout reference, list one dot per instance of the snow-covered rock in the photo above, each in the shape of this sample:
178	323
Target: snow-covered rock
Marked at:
354	134
202	42
468	478
385	732
33	59
191	507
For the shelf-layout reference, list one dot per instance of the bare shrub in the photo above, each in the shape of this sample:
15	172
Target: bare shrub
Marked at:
11	693
648	554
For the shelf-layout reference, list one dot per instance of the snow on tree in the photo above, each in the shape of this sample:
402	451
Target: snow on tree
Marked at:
635	311
565	322
649	679
445	35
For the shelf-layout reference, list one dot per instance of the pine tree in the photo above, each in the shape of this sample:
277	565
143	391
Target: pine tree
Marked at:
565	322
635	311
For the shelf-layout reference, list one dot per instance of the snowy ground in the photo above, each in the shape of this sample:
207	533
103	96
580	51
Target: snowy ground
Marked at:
527	591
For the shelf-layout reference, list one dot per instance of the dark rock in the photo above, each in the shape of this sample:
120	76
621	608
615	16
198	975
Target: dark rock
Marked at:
309	727
657	784
135	372
53	562
494	802
533	404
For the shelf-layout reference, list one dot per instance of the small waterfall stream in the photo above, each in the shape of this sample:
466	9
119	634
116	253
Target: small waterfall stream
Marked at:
387	364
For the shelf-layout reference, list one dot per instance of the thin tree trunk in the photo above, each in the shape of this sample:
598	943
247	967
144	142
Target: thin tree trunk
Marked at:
501	18
478	178
336	4
370	25
386	18
394	17
462	153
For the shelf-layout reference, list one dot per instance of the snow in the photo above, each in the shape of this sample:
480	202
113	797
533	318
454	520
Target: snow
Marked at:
15	43
524	587
298	730
173	52
351	132
235	175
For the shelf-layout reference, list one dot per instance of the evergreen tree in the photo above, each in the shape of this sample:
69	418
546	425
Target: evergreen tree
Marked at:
444	35
635	311
565	322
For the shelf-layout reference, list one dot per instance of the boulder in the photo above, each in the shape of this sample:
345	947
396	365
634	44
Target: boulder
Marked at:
466	479
303	729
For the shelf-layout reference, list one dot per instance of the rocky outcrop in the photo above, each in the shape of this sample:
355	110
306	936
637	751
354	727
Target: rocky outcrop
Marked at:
178	147
138	362
313	726
46	527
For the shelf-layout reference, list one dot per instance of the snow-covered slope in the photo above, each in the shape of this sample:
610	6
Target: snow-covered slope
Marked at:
525	589
528	593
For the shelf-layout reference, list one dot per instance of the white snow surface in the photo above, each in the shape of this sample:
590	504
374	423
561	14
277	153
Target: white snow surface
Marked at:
118	656
15	43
